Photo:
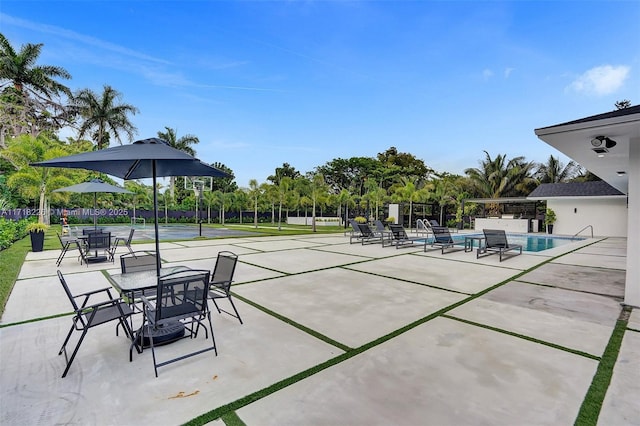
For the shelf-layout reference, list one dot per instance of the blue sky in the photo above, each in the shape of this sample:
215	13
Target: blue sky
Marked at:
303	82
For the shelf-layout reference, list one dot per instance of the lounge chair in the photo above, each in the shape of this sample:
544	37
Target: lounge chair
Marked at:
355	231
367	235
496	242
442	238
434	223
379	226
398	237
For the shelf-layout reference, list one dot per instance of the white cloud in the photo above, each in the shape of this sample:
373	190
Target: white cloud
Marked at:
602	80
487	73
508	71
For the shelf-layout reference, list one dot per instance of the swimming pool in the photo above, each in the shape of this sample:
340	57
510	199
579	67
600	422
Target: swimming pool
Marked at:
529	242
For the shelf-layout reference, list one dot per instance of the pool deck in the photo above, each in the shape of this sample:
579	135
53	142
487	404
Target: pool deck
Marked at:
339	333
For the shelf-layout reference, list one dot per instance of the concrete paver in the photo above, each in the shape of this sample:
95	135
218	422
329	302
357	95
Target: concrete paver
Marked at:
441	371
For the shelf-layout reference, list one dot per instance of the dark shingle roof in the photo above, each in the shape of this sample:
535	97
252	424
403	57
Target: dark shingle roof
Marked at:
574	189
612	114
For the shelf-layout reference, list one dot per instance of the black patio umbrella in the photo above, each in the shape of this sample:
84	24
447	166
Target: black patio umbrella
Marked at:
95	186
148	158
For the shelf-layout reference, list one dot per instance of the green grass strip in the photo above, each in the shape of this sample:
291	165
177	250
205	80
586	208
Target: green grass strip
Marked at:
522	336
592	404
232	419
233	406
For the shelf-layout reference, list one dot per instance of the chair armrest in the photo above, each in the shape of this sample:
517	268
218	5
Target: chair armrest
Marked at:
147	303
111	302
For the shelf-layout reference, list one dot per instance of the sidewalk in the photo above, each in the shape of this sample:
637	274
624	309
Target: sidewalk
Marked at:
336	333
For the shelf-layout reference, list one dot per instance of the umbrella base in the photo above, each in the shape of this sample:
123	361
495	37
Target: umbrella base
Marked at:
162	335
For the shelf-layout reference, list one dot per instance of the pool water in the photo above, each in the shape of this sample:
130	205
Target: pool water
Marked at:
529	242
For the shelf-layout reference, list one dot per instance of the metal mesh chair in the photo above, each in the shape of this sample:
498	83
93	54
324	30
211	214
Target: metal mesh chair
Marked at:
125	241
181	296
87	316
220	286
67	243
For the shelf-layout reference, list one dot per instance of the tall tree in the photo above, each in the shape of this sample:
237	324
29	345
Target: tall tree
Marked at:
318	192
286	170
31	104
103	115
499	177
625	103
36	183
553	171
183	143
255	191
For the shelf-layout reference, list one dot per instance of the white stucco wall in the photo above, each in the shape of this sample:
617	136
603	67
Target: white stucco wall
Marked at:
608	216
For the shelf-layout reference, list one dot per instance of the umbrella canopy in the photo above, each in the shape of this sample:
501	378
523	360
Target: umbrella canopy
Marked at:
148	158
95	186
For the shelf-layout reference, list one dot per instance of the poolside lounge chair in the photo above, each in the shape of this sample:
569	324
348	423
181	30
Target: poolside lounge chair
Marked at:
367	235
355	231
496	242
435	223
398	237
442	238
379	226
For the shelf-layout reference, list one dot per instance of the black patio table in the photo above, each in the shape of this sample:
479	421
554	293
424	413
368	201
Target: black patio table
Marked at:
132	286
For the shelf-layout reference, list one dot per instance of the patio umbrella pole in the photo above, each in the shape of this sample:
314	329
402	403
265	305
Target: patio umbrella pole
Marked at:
95	206
155	217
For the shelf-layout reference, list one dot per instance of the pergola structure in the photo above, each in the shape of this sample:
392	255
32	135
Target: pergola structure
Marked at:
608	145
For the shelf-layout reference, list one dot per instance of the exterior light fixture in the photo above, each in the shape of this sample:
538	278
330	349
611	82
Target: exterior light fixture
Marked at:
598	147
597	141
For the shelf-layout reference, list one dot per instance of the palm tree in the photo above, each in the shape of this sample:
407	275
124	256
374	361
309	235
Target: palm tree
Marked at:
284	185
104	116
271	195
36	182
255	191
498	177
553	171
33	87
183	144
412	193
318	192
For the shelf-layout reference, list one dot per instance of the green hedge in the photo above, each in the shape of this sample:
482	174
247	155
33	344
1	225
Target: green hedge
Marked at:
11	231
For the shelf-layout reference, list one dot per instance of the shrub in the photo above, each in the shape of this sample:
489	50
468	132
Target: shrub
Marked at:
11	231
360	219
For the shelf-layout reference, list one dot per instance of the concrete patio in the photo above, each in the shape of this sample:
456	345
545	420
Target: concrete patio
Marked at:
340	334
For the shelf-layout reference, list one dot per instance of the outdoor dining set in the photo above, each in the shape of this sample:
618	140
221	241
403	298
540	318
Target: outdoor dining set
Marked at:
92	244
172	305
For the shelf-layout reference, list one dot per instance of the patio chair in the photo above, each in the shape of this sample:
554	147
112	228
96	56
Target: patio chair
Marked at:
368	236
398	237
181	297
96	242
220	285
355	231
87	316
379	226
67	243
126	241
434	223
442	238
137	261
496	242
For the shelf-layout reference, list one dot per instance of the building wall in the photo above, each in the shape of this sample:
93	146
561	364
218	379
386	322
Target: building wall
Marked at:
608	216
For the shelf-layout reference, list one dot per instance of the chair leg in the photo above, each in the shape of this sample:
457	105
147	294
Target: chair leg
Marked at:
62	348
75	351
153	351
62	253
236	311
